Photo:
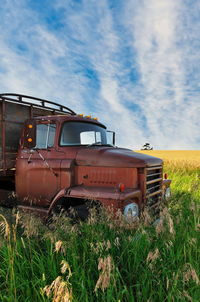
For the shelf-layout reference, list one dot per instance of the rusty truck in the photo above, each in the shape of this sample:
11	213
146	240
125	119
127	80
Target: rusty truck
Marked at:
54	158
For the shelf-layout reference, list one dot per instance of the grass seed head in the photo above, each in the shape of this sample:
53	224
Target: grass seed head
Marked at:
65	267
106	267
146	217
198	227
160	228
93	217
117	242
153	256
189	273
165	221
59	246
108	245
59	290
169	244
171	225
99	246
32	225
4	227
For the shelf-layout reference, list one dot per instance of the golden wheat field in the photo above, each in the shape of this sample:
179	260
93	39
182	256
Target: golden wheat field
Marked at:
189	158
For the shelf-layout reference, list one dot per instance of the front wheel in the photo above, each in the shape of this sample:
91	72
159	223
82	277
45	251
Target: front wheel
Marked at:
75	209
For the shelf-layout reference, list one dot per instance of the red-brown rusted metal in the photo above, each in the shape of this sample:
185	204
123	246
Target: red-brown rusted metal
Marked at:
46	176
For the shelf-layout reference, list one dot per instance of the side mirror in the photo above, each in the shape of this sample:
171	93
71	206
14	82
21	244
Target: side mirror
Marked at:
111	137
30	134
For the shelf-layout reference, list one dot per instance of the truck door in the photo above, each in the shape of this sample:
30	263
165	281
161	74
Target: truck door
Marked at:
38	171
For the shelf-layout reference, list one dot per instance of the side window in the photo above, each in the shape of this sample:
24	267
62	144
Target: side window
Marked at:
45	135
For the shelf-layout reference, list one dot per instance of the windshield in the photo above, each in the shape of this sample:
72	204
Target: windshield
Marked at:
82	133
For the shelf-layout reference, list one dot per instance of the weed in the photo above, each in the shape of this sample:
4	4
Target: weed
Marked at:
106	259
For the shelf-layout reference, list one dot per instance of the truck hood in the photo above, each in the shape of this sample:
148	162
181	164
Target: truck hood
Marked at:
114	157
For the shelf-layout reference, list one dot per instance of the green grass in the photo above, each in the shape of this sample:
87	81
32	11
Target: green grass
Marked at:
136	263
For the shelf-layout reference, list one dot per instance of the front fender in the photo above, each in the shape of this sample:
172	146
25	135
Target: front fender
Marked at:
107	196
61	193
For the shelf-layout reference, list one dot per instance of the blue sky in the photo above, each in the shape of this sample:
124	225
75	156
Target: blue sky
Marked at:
134	64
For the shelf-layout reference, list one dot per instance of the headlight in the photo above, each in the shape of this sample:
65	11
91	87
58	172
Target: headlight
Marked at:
131	210
167	193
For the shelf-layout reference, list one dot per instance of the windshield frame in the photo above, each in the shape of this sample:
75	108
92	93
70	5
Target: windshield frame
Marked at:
82	122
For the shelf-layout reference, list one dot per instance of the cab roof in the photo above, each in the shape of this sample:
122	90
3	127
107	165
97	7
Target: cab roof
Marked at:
67	118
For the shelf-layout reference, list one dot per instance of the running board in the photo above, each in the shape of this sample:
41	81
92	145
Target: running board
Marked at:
35	210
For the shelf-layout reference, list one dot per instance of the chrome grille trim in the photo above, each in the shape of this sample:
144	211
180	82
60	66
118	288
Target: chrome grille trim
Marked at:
153	181
153	168
154	193
154	185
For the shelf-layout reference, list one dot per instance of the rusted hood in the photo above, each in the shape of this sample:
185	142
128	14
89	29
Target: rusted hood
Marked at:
114	157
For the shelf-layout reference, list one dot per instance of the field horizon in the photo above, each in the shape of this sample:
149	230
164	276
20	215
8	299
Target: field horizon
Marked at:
186	158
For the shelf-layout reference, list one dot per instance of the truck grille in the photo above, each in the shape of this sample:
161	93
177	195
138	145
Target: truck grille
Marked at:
153	185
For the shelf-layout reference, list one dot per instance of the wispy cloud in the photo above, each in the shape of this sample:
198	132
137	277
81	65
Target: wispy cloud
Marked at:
133	63
158	32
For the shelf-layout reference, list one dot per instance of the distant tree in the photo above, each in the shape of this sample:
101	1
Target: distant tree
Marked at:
147	146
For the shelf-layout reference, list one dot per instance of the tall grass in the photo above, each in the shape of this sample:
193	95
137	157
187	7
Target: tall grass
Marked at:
105	259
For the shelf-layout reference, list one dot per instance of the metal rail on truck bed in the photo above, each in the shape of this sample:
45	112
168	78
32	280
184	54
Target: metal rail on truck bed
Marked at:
22	99
14	110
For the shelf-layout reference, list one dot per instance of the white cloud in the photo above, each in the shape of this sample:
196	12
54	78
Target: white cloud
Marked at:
156	30
159	106
36	70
